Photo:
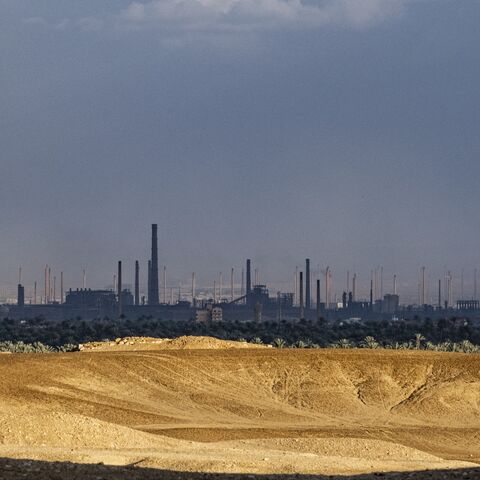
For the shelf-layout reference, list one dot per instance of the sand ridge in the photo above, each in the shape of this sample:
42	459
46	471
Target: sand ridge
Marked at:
201	405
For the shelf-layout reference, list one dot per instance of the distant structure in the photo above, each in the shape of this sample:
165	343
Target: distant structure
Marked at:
137	283
307	284
20	295
153	293
119	289
249	280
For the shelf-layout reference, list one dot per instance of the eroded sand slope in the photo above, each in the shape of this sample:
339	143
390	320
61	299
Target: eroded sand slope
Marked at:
195	405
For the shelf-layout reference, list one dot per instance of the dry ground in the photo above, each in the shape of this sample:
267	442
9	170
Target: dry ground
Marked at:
200	405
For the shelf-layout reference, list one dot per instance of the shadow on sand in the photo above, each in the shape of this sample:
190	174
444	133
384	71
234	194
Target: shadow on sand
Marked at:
40	470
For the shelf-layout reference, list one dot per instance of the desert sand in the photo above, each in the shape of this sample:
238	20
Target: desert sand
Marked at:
203	405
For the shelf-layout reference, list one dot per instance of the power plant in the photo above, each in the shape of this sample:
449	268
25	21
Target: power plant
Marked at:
247	301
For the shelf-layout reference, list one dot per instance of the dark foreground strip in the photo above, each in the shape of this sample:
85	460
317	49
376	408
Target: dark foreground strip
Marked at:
32	469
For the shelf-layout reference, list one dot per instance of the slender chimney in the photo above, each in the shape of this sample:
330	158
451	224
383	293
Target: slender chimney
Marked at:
165	284
61	287
475	284
249	278
232	293
21	295
395	284
439	294
45	284
54	289
371	293
149	281
302	313
153	298
220	288
137	283
354	287
318	299
424	299
119	289
193	289
35	293
307	284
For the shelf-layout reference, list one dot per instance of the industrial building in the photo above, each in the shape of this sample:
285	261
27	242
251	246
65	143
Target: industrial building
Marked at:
255	302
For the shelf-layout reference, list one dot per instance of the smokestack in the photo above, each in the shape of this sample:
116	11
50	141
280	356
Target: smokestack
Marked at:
394	284
84	278
61	287
165	284
475	284
137	283
119	289
354	287
424	299
45	284
220	288
35	293
302	315
371	293
153	298
249	278
193	289
232	293
439	294
318	299
307	284
54	289
20	296
149	281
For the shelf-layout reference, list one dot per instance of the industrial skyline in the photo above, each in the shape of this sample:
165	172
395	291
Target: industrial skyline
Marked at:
147	287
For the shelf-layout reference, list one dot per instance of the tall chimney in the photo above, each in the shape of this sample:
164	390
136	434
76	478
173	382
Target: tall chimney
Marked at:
165	284
149	281
439	294
307	284
318	299
45	295
193	289
35	293
153	298
354	287
249	278
61	287
371	293
21	295
137	283
119	289
302	313
232	293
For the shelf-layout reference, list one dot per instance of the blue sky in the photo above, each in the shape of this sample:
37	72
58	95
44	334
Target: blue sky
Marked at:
345	131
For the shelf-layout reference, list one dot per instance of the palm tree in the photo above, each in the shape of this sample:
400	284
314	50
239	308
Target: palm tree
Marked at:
279	343
256	340
299	344
369	342
418	340
342	343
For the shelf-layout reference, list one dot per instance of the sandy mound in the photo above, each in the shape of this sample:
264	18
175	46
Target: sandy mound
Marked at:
201	404
180	343
21	428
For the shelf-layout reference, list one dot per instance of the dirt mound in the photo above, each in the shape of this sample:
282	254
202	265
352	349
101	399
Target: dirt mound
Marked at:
180	343
200	404
23	428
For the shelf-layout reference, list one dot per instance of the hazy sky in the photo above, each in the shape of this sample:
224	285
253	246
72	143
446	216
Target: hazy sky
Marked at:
343	130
